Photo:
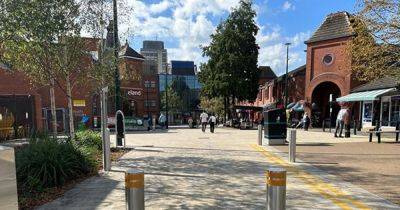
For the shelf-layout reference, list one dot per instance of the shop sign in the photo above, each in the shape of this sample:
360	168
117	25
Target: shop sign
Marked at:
79	103
134	92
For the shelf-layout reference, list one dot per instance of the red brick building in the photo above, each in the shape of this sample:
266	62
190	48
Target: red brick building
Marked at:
25	107
327	71
140	95
329	63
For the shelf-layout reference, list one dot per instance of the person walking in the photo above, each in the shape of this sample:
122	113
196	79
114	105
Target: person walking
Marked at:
162	120
204	120
340	121
307	121
213	122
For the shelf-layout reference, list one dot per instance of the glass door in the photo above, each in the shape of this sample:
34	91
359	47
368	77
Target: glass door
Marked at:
385	113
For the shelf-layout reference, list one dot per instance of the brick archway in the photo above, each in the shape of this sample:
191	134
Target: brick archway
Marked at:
338	80
318	94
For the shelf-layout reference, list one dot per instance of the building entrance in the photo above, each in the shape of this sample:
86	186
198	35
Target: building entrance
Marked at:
16	116
320	103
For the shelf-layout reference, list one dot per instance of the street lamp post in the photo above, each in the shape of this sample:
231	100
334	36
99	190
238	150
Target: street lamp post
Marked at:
166	96
116	73
286	75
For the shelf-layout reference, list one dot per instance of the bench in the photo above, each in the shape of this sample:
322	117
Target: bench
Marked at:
383	130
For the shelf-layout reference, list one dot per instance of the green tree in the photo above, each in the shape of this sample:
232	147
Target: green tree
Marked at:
30	38
174	101
213	105
42	39
231	71
375	50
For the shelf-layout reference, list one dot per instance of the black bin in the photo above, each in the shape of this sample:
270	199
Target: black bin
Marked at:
275	126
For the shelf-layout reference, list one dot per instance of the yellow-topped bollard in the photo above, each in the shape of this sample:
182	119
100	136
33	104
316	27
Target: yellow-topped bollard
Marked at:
134	189
276	188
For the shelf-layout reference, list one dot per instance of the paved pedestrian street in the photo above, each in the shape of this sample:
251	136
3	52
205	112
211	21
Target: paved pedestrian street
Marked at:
188	169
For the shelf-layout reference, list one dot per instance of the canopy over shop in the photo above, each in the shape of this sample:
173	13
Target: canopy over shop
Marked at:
379	102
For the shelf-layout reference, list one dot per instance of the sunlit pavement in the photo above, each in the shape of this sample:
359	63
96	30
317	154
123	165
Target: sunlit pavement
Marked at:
188	169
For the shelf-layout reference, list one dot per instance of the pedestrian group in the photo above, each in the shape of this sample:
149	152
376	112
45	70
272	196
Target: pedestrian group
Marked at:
212	120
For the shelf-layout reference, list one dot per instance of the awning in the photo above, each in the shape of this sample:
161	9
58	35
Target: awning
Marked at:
290	105
298	107
364	96
253	108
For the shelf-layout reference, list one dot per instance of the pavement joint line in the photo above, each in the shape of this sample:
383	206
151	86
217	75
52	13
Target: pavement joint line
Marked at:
327	190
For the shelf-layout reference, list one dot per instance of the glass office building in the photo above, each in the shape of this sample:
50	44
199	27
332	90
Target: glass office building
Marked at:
183	97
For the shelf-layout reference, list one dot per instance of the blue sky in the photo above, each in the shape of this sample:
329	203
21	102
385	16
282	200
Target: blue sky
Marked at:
184	25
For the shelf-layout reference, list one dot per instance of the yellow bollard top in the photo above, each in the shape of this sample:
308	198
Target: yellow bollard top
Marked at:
276	177
134	178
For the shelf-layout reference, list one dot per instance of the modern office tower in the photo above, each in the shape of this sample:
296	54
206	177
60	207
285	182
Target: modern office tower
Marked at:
156	56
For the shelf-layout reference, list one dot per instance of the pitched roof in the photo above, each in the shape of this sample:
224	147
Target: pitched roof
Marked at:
266	72
382	83
127	51
294	72
336	25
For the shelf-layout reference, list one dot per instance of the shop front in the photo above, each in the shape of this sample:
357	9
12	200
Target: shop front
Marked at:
380	107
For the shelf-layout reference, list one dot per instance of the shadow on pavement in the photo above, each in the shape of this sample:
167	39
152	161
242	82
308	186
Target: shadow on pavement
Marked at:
201	182
89	194
314	144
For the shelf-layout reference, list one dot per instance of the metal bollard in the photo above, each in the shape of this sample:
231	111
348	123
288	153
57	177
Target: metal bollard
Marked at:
106	151
276	189
259	134
134	189
292	146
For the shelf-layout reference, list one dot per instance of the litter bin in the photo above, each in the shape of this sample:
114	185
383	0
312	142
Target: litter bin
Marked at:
275	126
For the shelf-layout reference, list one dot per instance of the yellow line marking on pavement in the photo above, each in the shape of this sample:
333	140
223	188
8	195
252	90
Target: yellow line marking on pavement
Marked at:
327	190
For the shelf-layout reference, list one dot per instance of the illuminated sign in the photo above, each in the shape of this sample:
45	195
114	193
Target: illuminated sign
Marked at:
79	103
134	92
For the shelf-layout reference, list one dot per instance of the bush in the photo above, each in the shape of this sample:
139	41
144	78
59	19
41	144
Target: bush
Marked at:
48	163
88	138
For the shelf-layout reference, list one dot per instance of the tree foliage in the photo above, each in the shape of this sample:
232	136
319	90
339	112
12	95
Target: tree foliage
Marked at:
213	105
231	70
375	49
175	103
30	32
382	18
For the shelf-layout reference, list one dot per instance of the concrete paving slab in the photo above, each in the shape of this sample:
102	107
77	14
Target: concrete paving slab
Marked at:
188	169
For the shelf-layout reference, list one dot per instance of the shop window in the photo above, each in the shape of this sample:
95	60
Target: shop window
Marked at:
368	111
385	113
150	103
395	111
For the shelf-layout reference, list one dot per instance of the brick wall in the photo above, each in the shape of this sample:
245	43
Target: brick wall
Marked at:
338	72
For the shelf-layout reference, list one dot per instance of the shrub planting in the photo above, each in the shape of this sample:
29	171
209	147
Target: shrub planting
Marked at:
47	163
88	138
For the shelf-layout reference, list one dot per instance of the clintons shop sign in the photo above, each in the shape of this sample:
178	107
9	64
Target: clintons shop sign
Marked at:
134	92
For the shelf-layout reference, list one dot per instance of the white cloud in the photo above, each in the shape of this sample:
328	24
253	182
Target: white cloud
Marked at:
189	25
287	6
160	7
273	50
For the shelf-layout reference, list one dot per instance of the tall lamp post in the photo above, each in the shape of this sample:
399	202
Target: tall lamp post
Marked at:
286	75
166	96
116	73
